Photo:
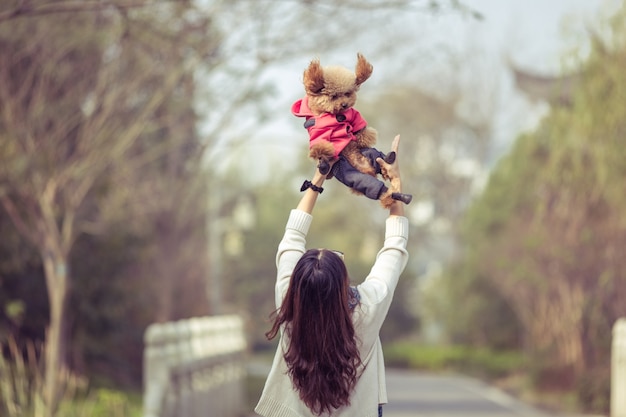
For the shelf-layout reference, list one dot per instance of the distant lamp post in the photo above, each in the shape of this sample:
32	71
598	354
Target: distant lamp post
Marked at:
226	236
243	219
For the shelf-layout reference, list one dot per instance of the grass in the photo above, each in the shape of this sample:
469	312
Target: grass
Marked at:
21	384
102	402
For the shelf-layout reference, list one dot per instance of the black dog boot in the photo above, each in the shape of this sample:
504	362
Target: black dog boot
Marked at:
323	166
390	158
405	198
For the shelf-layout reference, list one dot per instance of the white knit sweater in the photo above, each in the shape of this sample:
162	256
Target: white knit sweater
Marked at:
279	398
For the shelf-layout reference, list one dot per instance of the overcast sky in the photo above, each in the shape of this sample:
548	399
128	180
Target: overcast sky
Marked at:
537	35
537	32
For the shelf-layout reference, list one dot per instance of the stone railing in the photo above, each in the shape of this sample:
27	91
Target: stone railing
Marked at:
194	368
618	369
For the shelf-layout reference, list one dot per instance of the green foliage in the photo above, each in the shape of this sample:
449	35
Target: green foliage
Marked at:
470	309
479	362
103	403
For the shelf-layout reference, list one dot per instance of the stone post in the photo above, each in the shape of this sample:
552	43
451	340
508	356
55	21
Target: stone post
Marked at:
618	369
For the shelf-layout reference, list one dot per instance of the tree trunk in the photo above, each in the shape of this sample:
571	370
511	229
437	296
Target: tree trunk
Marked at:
57	280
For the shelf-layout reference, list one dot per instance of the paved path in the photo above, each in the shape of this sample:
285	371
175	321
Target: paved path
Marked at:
418	394
413	394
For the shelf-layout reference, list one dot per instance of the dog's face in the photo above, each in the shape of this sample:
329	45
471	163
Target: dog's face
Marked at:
334	89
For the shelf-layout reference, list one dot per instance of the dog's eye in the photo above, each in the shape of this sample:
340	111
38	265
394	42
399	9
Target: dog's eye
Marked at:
334	96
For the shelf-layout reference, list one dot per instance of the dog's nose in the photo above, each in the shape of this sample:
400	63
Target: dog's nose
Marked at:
344	105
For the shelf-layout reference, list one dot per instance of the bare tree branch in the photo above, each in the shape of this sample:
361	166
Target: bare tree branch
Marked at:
28	8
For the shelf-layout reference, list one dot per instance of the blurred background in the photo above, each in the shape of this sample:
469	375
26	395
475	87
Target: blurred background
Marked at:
149	159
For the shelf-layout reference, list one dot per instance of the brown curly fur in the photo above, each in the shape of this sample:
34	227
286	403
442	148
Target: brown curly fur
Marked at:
333	89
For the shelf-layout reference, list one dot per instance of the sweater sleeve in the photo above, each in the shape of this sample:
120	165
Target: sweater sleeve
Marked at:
290	250
377	289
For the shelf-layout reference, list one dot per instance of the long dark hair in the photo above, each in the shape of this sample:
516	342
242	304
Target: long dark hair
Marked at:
322	357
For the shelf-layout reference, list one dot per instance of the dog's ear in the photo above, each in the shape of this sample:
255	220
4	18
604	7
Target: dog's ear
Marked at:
314	78
363	69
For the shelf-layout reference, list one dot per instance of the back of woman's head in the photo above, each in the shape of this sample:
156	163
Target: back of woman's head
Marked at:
319	286
322	356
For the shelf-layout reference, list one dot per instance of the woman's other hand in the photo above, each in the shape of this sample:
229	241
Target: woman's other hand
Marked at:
392	173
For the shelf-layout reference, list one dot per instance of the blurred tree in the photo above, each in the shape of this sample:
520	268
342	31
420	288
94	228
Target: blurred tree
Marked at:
546	231
73	137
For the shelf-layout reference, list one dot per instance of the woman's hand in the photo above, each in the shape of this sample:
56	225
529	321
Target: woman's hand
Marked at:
392	173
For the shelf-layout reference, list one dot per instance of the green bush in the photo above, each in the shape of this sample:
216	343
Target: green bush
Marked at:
481	362
103	402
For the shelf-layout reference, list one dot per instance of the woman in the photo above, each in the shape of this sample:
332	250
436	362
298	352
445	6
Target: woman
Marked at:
329	360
